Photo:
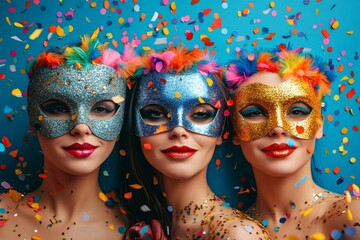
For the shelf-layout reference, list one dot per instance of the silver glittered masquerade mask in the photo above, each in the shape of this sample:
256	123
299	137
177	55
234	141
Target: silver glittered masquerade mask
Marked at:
176	98
79	90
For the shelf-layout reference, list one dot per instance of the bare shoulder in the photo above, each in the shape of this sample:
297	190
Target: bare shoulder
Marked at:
238	225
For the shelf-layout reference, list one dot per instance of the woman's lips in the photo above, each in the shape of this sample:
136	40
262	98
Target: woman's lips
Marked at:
279	150
80	150
181	152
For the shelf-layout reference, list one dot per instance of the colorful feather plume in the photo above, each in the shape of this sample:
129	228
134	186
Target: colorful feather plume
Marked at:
289	64
87	53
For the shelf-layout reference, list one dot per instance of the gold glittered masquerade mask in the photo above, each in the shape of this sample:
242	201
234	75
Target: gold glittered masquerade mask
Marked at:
275	105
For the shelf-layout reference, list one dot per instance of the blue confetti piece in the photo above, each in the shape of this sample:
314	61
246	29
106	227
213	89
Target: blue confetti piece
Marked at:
290	142
265	222
301	181
225	204
144	229
2	147
122	229
350	231
336	234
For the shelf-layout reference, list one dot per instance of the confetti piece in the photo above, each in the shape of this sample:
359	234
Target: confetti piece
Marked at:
135	186
306	212
301	181
103	197
145	208
5	140
34	35
147	146
128	195
118	99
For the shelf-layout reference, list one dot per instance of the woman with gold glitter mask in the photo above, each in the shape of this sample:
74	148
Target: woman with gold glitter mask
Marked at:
176	119
276	114
76	106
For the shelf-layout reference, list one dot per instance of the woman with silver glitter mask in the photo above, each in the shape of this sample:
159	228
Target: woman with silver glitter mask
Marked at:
76	105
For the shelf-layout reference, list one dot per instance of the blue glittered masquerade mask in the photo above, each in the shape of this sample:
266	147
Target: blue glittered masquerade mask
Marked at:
190	100
79	90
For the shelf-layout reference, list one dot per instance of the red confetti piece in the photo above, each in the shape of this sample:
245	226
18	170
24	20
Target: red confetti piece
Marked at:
42	176
350	94
128	195
150	83
218	162
163	80
3	167
6	142
189	35
342	88
217	104
207	11
325	33
300	129
355	128
2	76
217	23
147	146
193	2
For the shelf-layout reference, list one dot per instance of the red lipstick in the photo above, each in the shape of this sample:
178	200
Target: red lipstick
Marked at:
279	150
179	152
80	150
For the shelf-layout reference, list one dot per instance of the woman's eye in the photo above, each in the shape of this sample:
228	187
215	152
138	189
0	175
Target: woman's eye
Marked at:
253	111
103	109
56	109
203	113
299	111
155	114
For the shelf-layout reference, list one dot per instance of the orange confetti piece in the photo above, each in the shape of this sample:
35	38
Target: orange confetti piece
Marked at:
106	4
161	128
128	195
342	88
135	186
217	23
226	135
270	36
147	146
14	153
52	29
330	118
6	142
142	17
336	170
256	30
340	68
155	181
310	150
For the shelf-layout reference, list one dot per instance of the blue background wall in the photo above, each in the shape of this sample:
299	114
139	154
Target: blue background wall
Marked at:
222	26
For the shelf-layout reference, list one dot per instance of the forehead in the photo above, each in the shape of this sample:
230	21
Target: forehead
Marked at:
268	78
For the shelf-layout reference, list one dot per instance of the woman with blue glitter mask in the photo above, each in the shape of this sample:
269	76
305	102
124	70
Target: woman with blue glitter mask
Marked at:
277	117
76	100
176	119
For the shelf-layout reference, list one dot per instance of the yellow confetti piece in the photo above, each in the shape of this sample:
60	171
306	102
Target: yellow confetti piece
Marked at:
348	197
35	34
349	215
136	186
345	140
73	117
344	130
93	4
109	35
16	92
34	205
165	31
353	160
341	148
35	238
111	226
317	236
350	32
103	197
355	187
201	100
40	118
60	32
27	46
336	97
272	4
16	24
8	21
292	237
173	7
78	65
15	195
351	81
177	94
290	21
71	28
335	24
209	81
307	212
18	172
38	216
118	99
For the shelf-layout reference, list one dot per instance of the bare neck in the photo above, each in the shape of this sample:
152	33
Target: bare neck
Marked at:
278	196
66	195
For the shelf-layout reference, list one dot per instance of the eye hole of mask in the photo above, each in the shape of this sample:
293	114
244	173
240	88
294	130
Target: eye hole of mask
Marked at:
155	114
202	114
60	110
